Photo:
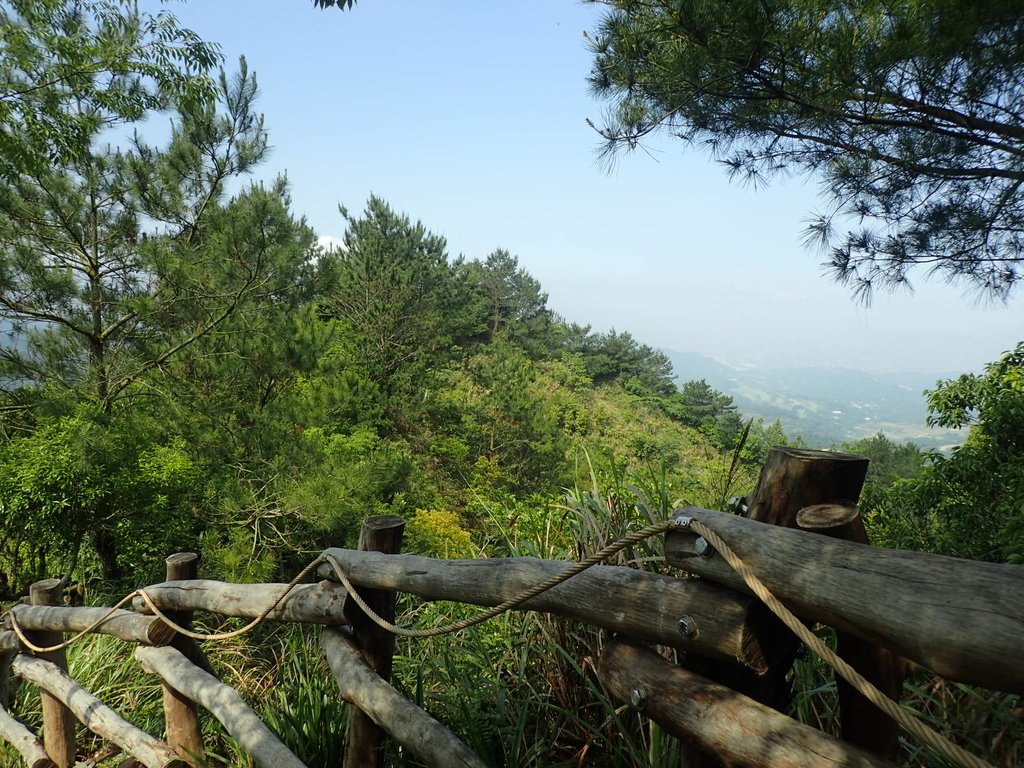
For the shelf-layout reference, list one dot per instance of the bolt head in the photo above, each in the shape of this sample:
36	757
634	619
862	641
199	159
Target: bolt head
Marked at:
638	698
702	547
688	627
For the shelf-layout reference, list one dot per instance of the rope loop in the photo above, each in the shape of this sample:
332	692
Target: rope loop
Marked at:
907	721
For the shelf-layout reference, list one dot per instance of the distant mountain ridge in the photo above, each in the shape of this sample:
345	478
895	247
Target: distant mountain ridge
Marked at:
826	406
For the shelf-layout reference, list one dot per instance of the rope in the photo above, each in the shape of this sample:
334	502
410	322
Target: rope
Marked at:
164	618
907	721
602	554
241	630
74	639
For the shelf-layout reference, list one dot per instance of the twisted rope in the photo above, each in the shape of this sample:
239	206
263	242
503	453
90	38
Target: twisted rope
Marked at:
602	554
908	722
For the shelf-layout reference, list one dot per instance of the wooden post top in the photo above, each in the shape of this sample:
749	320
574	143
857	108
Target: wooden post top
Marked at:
179	558
811	454
46	592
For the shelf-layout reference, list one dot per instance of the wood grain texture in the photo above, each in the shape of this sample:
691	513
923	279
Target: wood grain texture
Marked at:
222	701
364	737
734	728
861	722
58	723
961	618
645	606
95	715
794	478
409	725
24	742
124	625
181	714
322	603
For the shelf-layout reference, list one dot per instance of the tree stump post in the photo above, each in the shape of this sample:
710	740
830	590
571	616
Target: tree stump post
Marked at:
861	722
792	479
817	491
58	722
181	715
365	740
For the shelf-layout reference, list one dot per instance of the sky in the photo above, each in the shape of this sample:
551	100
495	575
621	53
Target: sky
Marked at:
470	116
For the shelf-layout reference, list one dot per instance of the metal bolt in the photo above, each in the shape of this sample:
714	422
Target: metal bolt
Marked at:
688	627
703	547
683	521
638	698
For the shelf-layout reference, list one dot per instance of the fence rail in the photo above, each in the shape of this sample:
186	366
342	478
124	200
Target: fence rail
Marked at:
961	618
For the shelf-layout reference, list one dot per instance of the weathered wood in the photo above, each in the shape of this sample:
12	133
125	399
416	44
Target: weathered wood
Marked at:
792	479
961	618
321	603
24	741
409	725
222	701
861	722
830	518
9	646
58	724
95	715
364	746
124	625
181	715
645	606
733	727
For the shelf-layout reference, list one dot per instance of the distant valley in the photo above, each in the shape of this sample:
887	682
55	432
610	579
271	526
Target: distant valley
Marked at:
826	406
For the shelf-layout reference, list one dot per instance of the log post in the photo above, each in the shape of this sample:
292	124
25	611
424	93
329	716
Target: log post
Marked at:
58	722
365	739
181	716
6	657
409	725
861	722
791	479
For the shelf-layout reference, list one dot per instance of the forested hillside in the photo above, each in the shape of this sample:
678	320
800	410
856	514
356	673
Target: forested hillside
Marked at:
184	368
252	396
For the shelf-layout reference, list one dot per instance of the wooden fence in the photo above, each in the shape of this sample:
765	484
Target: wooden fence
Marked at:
801	535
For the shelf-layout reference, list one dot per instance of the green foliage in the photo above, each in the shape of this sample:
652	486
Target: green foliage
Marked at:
69	68
392	286
910	115
76	479
889	463
507	302
971	503
437	533
615	356
303	707
510	420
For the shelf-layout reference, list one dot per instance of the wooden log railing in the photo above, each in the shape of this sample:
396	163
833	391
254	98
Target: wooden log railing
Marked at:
961	618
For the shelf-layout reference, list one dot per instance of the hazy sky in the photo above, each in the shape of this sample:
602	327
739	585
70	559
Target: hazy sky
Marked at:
470	116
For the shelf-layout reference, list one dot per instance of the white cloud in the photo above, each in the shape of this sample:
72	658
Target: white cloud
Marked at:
330	242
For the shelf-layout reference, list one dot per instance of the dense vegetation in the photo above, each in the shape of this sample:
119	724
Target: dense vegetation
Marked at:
185	369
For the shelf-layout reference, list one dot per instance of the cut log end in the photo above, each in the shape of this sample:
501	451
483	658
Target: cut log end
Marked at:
822	516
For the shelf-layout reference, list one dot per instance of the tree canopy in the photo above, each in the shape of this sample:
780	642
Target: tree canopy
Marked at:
910	115
68	68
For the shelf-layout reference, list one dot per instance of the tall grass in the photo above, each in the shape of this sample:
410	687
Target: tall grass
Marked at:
520	690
